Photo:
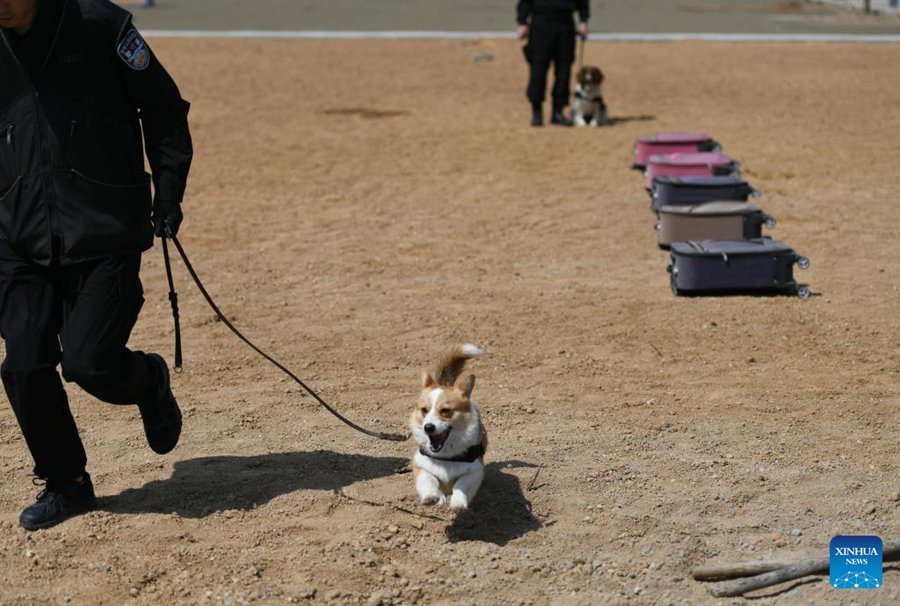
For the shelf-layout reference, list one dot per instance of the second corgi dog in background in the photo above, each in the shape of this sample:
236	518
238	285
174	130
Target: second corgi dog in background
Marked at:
588	107
447	427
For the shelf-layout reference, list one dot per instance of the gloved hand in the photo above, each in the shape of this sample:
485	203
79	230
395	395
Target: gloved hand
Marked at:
166	214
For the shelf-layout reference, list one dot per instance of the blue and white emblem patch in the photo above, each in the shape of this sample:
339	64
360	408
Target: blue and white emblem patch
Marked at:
134	51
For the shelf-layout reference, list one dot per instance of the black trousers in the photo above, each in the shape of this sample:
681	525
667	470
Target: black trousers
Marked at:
80	316
551	39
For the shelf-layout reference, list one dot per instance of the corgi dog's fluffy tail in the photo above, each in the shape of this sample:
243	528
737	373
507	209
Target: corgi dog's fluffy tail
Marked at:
451	364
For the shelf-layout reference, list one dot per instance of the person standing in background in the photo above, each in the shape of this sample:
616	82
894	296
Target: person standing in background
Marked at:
550	30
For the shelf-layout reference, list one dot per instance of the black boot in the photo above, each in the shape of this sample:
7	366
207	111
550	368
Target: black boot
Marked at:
60	499
537	115
160	412
559	118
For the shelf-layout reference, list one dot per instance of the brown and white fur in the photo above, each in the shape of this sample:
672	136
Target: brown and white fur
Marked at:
588	106
446	424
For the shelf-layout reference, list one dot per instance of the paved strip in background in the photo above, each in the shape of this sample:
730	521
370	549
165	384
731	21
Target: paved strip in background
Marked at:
885	6
433	35
609	16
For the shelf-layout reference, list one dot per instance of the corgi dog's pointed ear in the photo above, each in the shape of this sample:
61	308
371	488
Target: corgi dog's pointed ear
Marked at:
466	384
427	380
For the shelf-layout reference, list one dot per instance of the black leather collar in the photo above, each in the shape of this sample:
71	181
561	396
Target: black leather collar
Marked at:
472	454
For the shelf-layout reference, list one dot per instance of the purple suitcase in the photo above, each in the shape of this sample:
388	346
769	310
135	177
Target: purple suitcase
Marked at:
759	265
681	191
689	164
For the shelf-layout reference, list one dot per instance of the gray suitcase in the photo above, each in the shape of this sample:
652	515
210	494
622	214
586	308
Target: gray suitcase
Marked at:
757	266
718	220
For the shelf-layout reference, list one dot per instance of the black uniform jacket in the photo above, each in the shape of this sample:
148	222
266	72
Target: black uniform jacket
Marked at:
529	8
75	92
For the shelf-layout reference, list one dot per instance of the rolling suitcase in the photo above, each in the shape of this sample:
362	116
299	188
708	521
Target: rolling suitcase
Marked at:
668	143
694	164
672	191
726	220
760	265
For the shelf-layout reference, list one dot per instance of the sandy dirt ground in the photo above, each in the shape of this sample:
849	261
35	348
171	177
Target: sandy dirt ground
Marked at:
358	206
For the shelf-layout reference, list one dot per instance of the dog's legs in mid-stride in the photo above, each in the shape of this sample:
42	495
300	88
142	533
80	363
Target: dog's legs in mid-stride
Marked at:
429	489
465	488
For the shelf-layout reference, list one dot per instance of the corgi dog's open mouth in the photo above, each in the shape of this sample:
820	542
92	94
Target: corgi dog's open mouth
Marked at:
436	441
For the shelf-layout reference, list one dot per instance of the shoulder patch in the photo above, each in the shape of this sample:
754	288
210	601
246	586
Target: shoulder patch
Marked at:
134	51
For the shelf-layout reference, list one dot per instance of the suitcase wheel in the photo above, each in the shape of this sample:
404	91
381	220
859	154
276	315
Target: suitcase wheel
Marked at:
658	226
770	222
802	262
803	292
674	272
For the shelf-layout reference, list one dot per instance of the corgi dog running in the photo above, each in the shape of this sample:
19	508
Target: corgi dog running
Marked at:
446	424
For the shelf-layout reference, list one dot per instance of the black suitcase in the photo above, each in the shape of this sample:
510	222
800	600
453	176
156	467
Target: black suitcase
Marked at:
758	266
675	191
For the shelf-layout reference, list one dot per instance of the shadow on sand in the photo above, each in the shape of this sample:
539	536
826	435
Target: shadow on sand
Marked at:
613	120
500	512
199	487
782	591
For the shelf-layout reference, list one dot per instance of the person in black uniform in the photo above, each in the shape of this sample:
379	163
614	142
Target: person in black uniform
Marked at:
550	30
82	96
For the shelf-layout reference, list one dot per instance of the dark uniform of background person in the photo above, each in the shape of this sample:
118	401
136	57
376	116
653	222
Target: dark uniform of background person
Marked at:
551	31
81	96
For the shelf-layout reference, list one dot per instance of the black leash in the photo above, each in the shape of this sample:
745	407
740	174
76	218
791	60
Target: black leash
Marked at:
173	298
582	42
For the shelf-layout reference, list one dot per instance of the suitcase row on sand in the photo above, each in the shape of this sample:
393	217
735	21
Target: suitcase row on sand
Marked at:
707	222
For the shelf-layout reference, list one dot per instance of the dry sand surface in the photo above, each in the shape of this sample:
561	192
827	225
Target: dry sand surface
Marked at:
358	206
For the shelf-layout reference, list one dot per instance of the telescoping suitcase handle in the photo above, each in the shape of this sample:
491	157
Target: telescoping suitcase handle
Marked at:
699	247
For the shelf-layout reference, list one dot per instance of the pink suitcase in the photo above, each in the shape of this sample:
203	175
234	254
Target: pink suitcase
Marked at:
670	143
694	164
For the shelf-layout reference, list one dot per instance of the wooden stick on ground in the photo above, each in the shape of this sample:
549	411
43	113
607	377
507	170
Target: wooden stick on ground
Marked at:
718	572
775	577
890	552
534	479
